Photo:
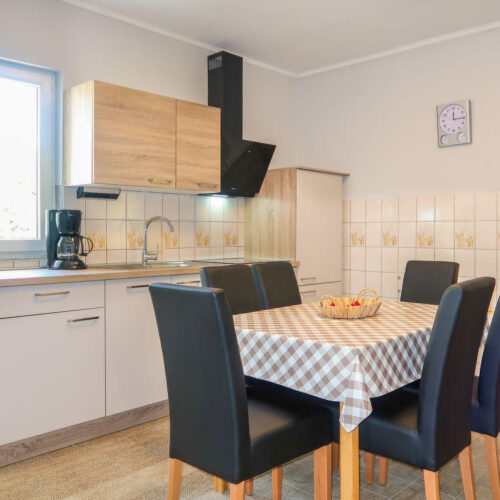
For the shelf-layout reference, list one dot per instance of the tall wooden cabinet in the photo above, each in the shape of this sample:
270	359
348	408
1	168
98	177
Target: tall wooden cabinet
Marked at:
120	136
298	215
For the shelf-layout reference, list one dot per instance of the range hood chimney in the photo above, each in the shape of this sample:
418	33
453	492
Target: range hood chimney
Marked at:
243	163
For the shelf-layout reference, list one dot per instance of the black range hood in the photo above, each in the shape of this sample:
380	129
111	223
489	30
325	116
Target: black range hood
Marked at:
243	163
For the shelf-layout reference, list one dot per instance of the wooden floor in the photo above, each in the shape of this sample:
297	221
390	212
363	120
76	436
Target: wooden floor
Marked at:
133	464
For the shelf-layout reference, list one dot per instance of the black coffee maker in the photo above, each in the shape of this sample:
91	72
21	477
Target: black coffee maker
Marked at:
64	243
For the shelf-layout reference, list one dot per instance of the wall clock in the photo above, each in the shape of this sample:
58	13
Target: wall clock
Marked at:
453	124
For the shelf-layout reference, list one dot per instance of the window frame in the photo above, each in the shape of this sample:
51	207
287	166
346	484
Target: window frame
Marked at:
48	159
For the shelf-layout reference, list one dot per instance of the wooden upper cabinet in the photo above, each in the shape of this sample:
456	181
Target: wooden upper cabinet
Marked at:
134	137
119	136
198	147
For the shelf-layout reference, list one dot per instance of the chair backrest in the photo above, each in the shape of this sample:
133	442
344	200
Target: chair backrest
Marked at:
425	281
489	379
276	284
444	414
238	283
206	387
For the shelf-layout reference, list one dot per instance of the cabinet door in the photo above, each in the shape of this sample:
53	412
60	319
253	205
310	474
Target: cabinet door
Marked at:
312	293
134	137
135	373
52	372
319	227
198	147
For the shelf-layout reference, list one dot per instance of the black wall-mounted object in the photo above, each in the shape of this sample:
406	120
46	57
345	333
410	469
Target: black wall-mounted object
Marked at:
243	163
99	193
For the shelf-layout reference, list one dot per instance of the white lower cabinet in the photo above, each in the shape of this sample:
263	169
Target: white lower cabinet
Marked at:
135	373
52	372
312	293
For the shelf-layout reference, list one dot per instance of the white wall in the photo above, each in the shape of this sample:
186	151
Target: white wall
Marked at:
86	46
377	120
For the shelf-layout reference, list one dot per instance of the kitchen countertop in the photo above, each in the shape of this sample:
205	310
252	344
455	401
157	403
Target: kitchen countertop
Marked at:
22	277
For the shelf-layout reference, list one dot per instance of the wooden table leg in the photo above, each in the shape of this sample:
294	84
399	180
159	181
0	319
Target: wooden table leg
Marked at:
349	463
220	486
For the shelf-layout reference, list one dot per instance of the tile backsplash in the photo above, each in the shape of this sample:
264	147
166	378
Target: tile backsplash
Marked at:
204	226
381	235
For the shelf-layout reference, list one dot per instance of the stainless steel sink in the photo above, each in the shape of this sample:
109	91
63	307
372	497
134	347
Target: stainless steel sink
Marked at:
149	265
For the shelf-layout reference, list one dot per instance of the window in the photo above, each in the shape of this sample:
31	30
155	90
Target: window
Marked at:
27	154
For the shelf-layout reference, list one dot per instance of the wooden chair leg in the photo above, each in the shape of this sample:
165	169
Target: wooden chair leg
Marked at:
174	479
335	456
383	470
369	467
237	491
323	473
467	471
249	487
220	486
493	465
431	480
277	475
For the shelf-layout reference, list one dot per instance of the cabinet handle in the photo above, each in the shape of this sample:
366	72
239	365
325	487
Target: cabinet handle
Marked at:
78	320
50	294
137	286
159	180
308	291
207	185
308	279
188	282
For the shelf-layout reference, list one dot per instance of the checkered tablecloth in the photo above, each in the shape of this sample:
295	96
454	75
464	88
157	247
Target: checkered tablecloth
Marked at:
349	361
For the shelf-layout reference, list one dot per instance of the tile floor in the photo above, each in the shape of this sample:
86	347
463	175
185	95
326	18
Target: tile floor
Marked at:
133	464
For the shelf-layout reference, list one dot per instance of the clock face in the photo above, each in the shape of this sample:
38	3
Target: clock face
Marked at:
452	119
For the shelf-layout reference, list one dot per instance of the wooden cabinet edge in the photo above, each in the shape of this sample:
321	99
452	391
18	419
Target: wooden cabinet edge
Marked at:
78	159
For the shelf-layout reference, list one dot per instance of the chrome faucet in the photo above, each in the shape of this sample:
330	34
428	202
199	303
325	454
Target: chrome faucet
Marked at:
146	257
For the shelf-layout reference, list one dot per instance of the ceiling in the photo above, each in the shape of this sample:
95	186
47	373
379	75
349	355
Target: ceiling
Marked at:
299	36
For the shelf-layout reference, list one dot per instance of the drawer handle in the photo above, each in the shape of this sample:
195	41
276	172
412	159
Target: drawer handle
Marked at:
207	185
137	286
159	180
308	291
308	279
79	320
50	294
188	282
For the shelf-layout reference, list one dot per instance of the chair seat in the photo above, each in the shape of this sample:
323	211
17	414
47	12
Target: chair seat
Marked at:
394	414
273	390
413	387
282	429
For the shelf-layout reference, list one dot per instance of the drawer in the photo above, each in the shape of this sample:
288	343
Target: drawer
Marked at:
312	293
43	299
187	279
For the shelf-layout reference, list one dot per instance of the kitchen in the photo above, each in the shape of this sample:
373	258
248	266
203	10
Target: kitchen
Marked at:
134	127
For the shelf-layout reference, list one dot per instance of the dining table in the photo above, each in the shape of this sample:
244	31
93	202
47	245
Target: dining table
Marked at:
341	360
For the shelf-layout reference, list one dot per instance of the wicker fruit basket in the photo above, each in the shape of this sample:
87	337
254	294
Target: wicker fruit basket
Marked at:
350	307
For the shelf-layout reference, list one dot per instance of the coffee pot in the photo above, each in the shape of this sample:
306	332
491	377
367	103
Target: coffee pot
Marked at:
65	245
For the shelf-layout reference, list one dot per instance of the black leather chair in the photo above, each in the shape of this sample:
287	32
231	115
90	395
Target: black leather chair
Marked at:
276	284
430	428
425	281
217	424
486	400
238	283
